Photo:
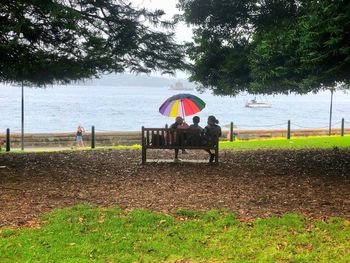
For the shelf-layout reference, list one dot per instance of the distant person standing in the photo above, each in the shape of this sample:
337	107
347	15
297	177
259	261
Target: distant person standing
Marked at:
2	142
79	136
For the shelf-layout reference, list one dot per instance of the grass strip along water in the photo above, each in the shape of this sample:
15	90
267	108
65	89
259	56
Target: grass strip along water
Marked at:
84	233
320	142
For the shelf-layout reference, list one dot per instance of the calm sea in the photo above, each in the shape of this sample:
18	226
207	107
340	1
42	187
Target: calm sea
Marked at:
62	108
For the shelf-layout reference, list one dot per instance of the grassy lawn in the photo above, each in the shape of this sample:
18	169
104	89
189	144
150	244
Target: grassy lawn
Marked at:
119	147
85	233
279	143
294	143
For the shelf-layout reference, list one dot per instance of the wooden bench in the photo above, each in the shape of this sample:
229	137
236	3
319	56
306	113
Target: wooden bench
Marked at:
165	138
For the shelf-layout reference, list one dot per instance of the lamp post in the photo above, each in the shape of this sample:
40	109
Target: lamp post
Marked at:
330	113
22	119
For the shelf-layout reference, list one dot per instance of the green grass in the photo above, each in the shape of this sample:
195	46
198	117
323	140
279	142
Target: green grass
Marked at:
280	143
85	233
294	143
118	147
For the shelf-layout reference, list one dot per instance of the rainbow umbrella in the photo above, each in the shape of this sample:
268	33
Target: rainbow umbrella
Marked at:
182	105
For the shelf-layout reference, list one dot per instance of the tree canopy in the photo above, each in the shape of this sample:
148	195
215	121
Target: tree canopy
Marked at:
269	46
50	41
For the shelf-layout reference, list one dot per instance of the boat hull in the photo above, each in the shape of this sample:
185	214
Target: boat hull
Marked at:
258	105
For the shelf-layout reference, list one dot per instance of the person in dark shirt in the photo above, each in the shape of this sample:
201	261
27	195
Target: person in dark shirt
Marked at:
195	124
212	134
194	134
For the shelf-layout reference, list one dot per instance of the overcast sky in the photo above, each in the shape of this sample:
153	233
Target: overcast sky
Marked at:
183	33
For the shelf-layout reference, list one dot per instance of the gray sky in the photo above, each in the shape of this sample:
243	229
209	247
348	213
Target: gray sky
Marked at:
183	32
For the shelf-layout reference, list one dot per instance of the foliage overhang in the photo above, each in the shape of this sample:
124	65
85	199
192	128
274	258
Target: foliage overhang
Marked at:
269	47
59	41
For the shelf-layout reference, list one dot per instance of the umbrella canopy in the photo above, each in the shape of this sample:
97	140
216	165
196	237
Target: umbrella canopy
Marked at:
182	105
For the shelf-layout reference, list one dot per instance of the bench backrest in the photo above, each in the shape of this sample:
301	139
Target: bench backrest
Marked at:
166	137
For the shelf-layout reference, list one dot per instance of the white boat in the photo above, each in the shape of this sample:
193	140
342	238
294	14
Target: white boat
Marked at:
255	104
179	86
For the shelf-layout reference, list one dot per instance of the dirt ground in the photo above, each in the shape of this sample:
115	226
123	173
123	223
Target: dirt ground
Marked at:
251	184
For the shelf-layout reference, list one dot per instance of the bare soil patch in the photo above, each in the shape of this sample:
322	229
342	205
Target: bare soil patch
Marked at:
251	184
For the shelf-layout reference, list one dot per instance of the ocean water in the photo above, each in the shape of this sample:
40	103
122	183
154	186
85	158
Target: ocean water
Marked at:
63	108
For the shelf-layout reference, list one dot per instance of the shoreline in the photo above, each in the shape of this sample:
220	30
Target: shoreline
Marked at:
116	138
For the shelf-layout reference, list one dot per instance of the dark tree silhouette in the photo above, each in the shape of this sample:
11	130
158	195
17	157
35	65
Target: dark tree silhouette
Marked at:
264	46
58	41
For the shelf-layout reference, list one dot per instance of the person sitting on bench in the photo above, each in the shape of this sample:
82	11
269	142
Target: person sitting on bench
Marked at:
193	137
175	138
212	134
195	125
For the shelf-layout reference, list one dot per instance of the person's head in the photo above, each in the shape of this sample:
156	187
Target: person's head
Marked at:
212	120
196	120
179	120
